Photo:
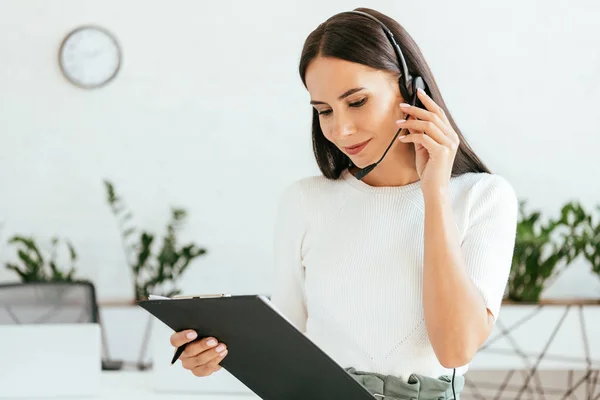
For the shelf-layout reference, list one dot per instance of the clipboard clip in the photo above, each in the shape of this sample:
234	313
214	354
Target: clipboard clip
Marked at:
201	296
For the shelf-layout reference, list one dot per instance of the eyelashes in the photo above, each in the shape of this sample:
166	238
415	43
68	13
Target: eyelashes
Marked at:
356	104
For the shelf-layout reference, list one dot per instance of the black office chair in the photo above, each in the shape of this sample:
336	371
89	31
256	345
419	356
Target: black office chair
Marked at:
48	303
53	303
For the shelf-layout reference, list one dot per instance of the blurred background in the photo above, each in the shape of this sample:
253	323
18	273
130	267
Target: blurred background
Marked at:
199	121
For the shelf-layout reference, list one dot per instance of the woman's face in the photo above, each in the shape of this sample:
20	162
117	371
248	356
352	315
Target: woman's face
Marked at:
358	107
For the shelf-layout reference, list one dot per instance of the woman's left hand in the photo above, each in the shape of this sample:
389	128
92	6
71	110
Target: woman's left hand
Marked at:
435	142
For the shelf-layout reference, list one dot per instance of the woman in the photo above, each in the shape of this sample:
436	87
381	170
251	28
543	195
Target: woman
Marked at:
397	271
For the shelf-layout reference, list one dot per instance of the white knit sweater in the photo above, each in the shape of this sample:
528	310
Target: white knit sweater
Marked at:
349	265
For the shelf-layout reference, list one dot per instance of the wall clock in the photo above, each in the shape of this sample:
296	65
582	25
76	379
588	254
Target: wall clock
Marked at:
90	57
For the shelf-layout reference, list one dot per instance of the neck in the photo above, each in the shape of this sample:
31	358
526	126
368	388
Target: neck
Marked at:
396	169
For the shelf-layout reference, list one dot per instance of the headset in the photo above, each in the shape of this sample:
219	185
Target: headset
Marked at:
409	84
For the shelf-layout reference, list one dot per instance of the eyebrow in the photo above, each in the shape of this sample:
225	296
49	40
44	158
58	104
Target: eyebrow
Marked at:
341	97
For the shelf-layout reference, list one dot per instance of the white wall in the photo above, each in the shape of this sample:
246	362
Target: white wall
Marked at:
205	83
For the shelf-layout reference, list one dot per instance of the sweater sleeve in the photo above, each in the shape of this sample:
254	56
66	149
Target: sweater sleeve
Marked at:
489	241
288	290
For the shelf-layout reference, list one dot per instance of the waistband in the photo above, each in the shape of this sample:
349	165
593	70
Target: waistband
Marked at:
416	387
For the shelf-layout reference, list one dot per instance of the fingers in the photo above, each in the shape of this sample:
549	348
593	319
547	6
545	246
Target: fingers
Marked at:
422	114
203	357
432	105
183	337
198	347
209	368
428	127
424	140
214	363
433	113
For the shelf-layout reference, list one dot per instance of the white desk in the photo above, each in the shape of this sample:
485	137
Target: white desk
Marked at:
134	385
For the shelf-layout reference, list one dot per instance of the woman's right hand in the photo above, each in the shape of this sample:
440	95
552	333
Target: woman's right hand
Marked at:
201	357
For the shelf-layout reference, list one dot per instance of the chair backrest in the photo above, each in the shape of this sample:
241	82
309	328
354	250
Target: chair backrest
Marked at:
48	303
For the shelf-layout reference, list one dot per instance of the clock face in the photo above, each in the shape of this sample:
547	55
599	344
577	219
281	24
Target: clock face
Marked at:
90	57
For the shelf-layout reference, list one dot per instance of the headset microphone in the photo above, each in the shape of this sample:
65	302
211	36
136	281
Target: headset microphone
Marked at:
361	173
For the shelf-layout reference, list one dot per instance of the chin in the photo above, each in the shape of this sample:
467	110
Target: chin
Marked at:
362	160
360	163
364	157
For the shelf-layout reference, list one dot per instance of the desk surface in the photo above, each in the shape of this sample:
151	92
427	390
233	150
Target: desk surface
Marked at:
134	385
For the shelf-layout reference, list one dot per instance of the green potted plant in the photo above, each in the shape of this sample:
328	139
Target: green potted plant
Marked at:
33	266
591	250
543	250
153	272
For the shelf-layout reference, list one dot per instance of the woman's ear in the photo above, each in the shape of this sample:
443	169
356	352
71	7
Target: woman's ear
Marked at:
393	82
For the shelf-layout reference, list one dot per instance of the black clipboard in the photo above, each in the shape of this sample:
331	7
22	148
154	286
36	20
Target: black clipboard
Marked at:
265	351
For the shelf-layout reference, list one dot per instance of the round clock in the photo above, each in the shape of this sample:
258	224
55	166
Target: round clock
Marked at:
89	57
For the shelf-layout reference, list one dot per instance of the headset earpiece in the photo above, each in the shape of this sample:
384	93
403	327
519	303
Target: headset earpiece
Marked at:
409	91
418	83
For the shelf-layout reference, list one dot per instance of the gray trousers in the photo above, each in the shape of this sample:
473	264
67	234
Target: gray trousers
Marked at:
416	387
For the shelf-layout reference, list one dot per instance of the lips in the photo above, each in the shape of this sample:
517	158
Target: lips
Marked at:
357	148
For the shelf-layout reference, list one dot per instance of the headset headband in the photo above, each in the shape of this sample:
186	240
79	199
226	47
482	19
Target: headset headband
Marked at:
390	36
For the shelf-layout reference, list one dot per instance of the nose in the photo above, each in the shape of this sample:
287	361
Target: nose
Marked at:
342	127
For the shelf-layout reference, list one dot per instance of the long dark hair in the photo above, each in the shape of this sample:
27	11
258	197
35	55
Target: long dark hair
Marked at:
358	39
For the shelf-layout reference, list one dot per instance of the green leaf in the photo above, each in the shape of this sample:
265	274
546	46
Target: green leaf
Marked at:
29	244
152	271
144	251
111	196
178	214
72	252
32	267
25	277
174	292
70	275
536	255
